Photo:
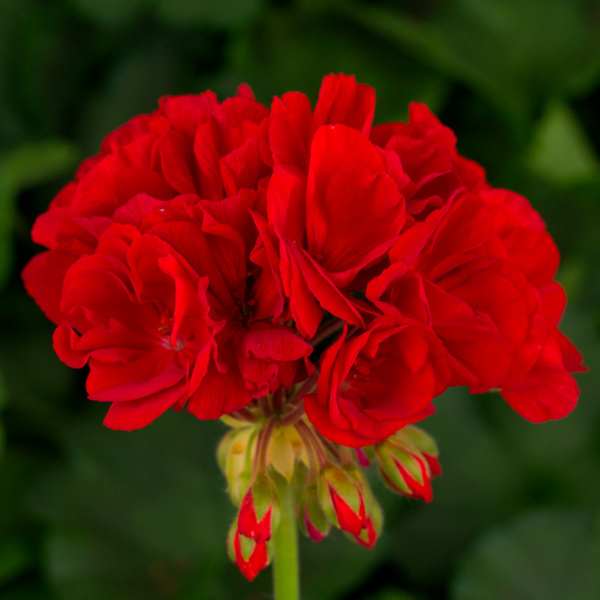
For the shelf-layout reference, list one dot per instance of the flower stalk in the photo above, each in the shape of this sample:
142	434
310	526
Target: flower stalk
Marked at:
286	573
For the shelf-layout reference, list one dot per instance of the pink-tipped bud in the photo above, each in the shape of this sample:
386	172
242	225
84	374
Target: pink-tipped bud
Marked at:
260	510
373	525
408	461
415	437
341	499
313	522
250	556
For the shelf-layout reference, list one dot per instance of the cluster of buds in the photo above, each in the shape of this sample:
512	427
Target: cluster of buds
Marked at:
271	445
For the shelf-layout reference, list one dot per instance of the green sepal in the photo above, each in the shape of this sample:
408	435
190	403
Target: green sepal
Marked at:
337	479
389	457
247	546
376	514
231	540
417	438
265	496
237	449
311	505
223	450
357	475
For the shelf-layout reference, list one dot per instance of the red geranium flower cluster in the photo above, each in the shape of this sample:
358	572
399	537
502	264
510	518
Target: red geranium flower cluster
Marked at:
199	257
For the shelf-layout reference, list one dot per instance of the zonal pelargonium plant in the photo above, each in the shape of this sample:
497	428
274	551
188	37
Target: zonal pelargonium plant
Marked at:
312	280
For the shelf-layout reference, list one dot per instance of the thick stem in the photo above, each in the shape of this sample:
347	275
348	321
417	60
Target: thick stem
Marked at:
286	582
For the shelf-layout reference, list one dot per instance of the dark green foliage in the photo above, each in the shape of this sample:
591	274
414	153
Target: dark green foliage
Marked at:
91	514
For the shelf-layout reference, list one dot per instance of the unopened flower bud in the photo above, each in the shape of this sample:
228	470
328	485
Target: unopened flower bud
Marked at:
422	441
235	454
407	462
373	526
250	556
342	500
313	521
260	510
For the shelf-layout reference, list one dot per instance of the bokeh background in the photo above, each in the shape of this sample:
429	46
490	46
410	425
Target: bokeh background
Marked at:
91	514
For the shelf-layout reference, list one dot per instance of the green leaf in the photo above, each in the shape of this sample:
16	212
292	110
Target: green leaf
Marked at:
28	590
550	555
19	541
140	514
335	566
390	594
132	87
35	163
513	53
2	404
480	486
26	166
224	13
111	13
317	46
560	150
15	558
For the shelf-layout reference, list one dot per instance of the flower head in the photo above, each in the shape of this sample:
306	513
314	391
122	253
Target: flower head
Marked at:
314	281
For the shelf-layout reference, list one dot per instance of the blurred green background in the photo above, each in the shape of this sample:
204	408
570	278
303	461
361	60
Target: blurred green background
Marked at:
92	514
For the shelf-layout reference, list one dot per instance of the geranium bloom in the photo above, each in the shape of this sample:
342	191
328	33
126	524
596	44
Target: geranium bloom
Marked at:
194	259
209	248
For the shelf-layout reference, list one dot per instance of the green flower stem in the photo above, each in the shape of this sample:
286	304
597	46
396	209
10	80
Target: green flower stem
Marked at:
286	580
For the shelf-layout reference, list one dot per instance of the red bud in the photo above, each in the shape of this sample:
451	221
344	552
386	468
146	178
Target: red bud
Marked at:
368	536
349	520
407	467
250	556
259	511
313	521
341	499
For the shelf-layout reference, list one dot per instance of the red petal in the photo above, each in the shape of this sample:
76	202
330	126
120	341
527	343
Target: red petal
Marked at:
342	100
335	148
139	413
152	372
219	394
337	231
176	157
324	290
275	342
109	185
289	130
547	391
188	111
43	277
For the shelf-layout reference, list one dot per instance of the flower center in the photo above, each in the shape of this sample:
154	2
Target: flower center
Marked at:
361	367
166	331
